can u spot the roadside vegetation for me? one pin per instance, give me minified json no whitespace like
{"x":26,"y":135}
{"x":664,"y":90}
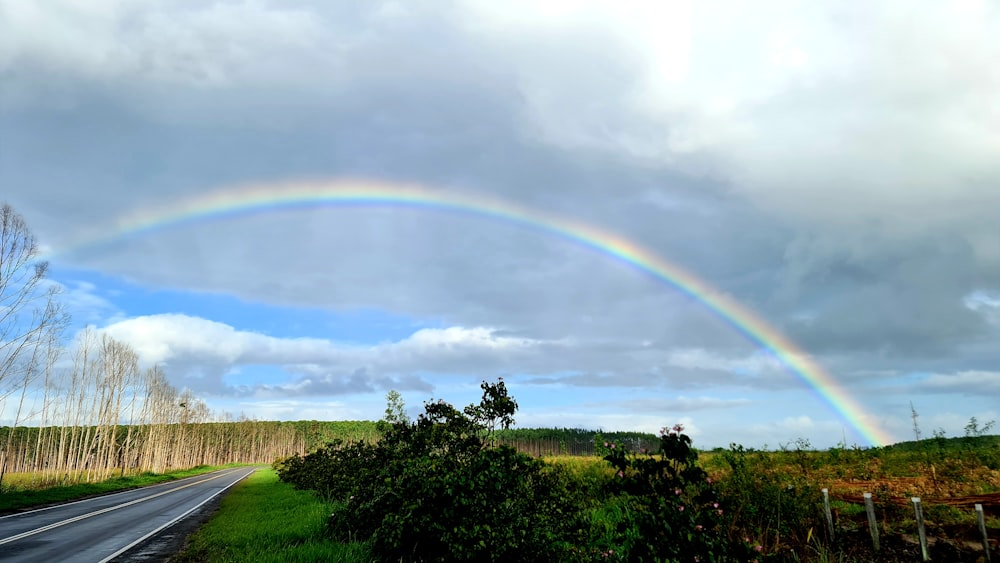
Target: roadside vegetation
{"x":442,"y":488}
{"x":446,"y":487}
{"x":17,"y":497}
{"x":264,"y":520}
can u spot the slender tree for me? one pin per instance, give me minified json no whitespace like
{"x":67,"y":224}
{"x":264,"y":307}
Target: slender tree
{"x":29,"y":312}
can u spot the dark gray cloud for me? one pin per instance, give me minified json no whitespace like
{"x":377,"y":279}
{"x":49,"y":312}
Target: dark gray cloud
{"x":900,"y":298}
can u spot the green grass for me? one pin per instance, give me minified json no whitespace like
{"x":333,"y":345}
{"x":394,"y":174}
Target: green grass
{"x":586,"y":468}
{"x":15,"y":498}
{"x":848,"y":508}
{"x":263,"y":519}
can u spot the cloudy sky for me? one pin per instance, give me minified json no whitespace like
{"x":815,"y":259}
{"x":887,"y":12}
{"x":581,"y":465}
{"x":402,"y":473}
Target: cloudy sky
{"x":831,"y":167}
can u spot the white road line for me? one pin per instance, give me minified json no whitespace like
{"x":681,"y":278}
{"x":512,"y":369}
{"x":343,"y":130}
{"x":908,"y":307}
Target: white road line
{"x":174,"y":521}
{"x":103,"y":497}
{"x":102,"y":511}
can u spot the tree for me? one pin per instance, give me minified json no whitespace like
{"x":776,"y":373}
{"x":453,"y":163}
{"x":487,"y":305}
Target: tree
{"x":30,"y":315}
{"x":395,"y":408}
{"x":434,"y":490}
{"x":916,"y":427}
{"x":27,"y":306}
{"x":496,"y":410}
{"x":974,"y":430}
{"x":395,"y":412}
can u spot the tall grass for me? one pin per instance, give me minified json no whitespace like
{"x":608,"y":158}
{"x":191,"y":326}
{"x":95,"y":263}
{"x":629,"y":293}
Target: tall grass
{"x":265,"y":520}
{"x":19,"y":494}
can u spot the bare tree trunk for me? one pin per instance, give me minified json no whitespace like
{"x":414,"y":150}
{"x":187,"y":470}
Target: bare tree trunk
{"x":28,"y":309}
{"x":31,"y":352}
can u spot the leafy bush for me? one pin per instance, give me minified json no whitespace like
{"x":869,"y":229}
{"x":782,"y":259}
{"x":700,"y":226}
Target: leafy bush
{"x":440,"y":489}
{"x":434,"y":489}
{"x":672,"y":511}
{"x":332,"y":471}
{"x":777,"y":506}
{"x":496,"y":505}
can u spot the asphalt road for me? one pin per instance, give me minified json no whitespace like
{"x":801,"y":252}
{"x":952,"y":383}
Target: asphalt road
{"x":105,"y":527}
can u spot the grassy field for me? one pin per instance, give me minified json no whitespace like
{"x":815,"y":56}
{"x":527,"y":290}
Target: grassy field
{"x":19,"y":493}
{"x":263,"y":519}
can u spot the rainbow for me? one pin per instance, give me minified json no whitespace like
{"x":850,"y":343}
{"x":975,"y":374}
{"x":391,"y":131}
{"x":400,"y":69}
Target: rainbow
{"x":256,"y":199}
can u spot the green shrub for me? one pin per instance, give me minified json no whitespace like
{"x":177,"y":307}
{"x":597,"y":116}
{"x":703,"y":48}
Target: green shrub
{"x":332,"y":471}
{"x":495,"y":505}
{"x":773,"y":506}
{"x":436,"y":489}
{"x":671,"y":509}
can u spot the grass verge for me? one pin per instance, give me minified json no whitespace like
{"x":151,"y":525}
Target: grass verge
{"x":14,"y":498}
{"x":265,"y":520}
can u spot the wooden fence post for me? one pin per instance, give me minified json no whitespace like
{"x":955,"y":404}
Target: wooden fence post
{"x":920,"y":528}
{"x":829,"y":515}
{"x":872,"y":524}
{"x":982,"y":531}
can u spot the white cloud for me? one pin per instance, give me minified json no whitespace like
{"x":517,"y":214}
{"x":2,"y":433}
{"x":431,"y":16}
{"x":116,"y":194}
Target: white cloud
{"x":160,"y":338}
{"x":83,"y":300}
{"x":193,"y":345}
{"x":757,"y":364}
{"x":822,"y":112}
{"x":973,"y":382}
{"x":986,"y":304}
{"x":679,"y":403}
{"x":799,"y":423}
{"x":453,"y":339}
{"x":289,"y":409}
{"x":788,"y":431}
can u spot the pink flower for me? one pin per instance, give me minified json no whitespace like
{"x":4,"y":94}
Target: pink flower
{"x":698,"y":527}
{"x":677,"y":492}
{"x":605,"y":444}
{"x":621,"y":474}
{"x":759,"y":548}
{"x":715,"y":505}
{"x":681,"y":508}
{"x":708,"y":480}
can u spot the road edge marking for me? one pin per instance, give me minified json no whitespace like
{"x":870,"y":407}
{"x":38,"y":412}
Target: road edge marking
{"x":175,"y":520}
{"x":84,"y":516}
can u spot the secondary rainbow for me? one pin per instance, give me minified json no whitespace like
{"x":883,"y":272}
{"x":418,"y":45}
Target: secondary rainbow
{"x":262,"y":198}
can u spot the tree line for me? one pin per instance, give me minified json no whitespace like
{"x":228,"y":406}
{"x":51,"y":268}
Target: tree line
{"x":84,"y":410}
